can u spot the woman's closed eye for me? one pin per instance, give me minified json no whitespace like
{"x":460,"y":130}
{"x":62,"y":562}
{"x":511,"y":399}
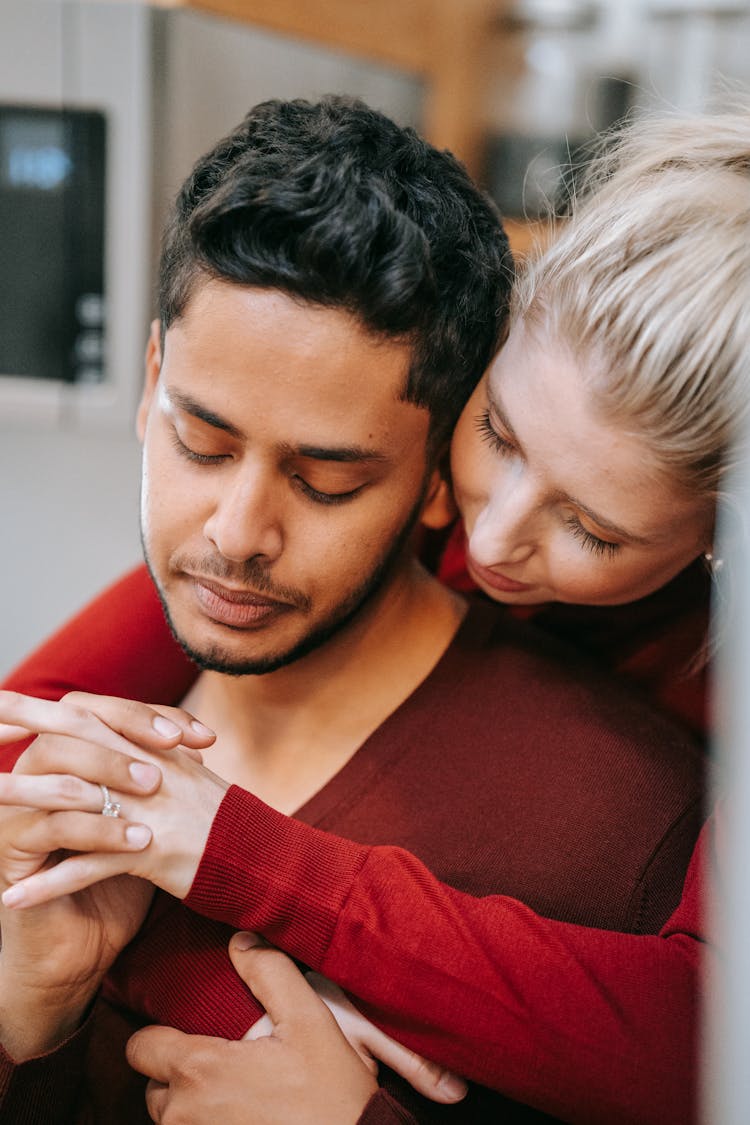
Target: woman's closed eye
{"x":597,"y":546}
{"x":489,"y":434}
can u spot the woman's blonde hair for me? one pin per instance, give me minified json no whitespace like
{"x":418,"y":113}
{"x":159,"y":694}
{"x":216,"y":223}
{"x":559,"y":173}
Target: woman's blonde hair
{"x":648,"y":287}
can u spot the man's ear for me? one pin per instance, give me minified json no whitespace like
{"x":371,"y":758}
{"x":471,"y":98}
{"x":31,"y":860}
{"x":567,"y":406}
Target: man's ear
{"x":153,"y":368}
{"x":439,"y":508}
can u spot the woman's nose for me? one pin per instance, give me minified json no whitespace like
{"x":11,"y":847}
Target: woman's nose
{"x":504,"y":531}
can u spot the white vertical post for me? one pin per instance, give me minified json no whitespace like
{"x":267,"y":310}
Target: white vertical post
{"x":727,"y":1025}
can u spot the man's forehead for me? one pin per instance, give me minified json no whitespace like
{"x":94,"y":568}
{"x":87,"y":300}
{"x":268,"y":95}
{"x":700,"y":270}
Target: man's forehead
{"x":254,"y":357}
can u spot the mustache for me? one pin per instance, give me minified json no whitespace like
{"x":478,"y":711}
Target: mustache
{"x":250,"y":573}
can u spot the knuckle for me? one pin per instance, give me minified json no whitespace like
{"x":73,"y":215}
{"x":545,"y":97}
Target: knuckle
{"x":86,"y":869}
{"x":80,"y":714}
{"x":70,"y":788}
{"x":195,"y":1067}
{"x":133,"y":709}
{"x":73,"y":697}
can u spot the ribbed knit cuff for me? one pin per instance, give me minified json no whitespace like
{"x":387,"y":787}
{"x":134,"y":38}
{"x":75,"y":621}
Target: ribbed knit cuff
{"x":383,"y":1110}
{"x":267,"y":872}
{"x":44,"y":1088}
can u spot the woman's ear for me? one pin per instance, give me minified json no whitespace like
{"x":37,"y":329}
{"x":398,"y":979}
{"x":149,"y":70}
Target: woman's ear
{"x":153,"y":369}
{"x":439,"y":508}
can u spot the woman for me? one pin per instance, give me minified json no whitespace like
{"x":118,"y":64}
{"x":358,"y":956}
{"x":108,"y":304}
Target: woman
{"x":632,"y":333}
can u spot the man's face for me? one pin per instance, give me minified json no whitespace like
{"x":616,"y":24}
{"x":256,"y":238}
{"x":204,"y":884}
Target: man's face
{"x":281,"y":473}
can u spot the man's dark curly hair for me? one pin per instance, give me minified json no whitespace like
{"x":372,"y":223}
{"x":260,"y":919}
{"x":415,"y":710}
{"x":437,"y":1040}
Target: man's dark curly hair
{"x":335,"y":204}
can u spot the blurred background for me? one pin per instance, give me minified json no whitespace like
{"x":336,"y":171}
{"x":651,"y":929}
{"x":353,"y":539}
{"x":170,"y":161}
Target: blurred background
{"x":104,"y":105}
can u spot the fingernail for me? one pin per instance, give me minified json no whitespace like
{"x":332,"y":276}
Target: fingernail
{"x":144,"y":774}
{"x":165,"y":727}
{"x":202,"y":729}
{"x":453,"y":1087}
{"x":245,"y":940}
{"x":138,"y":835}
{"x":13,"y":896}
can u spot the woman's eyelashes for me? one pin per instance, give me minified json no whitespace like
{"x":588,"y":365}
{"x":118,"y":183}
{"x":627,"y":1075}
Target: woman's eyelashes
{"x":601,"y":547}
{"x":490,"y":435}
{"x":593,"y":543}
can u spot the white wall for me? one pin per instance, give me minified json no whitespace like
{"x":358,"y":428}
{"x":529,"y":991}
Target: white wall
{"x":69,"y":504}
{"x":69,"y":463}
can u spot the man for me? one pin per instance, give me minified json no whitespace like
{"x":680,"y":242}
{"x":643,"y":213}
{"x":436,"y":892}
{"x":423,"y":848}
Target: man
{"x":331,"y":289}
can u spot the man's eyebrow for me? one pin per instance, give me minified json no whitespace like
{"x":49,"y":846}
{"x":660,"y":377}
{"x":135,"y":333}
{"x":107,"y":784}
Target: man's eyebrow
{"x":343,"y":453}
{"x":605,"y":524}
{"x":203,"y":414}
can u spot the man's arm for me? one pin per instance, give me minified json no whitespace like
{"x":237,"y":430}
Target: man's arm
{"x":45,"y":1087}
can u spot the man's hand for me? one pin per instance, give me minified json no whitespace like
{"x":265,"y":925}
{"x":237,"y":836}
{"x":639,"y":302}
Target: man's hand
{"x":167,"y":798}
{"x":296,"y":1066}
{"x":304,"y":1073}
{"x":54,"y":956}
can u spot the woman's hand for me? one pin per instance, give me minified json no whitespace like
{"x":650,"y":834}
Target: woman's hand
{"x":373,"y":1046}
{"x":167,"y":799}
{"x":101,"y":719}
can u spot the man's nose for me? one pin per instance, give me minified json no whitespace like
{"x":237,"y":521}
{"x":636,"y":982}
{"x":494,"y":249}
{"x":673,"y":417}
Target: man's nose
{"x":245,"y":522}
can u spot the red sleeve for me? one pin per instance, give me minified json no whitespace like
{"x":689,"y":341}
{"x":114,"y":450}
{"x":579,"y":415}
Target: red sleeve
{"x":540,"y":1010}
{"x":120,"y":644}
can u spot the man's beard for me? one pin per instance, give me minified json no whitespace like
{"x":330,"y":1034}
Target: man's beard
{"x":216,"y":659}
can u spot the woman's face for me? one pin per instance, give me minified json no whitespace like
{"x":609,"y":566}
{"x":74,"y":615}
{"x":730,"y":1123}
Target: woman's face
{"x":558,"y":505}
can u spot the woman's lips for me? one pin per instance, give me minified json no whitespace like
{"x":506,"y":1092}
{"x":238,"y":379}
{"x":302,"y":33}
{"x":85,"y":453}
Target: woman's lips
{"x":240,"y":609}
{"x":484,"y":577}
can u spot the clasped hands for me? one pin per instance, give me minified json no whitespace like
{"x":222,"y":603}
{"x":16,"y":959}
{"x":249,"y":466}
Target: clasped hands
{"x":66,"y":869}
{"x":53,"y":799}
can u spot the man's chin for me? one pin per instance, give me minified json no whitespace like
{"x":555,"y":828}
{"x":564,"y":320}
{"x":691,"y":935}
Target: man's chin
{"x":215,"y":659}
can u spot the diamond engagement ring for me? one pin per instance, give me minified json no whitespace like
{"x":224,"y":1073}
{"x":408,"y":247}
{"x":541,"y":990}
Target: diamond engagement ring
{"x":109,"y":807}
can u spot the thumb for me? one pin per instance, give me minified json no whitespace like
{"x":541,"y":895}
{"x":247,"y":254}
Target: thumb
{"x":275,"y":981}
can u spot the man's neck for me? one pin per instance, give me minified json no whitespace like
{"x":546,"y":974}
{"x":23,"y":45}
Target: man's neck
{"x":285,"y":734}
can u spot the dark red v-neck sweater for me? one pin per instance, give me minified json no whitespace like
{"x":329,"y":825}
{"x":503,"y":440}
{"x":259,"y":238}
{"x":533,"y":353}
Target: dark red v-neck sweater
{"x":507,"y":773}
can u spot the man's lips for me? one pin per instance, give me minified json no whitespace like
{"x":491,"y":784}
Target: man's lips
{"x":240,"y":609}
{"x":495,"y":581}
